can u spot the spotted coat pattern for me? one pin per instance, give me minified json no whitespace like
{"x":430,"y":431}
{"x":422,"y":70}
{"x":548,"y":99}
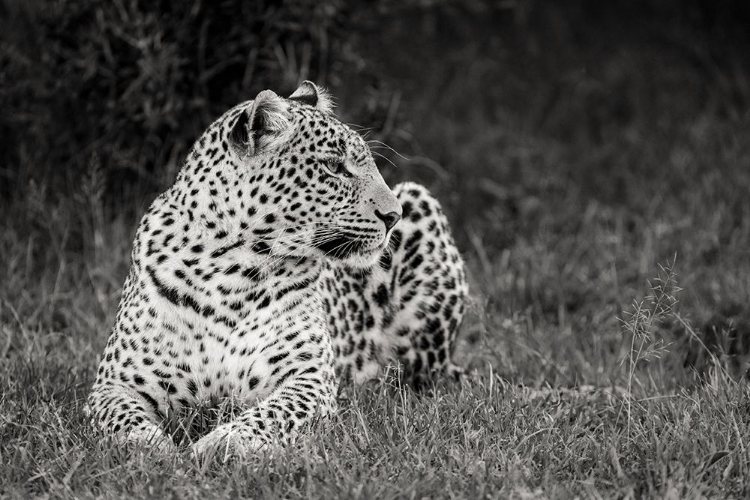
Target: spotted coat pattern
{"x":274,"y":268}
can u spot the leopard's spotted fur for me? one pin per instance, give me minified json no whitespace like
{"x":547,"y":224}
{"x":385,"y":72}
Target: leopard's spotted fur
{"x":260,"y":277}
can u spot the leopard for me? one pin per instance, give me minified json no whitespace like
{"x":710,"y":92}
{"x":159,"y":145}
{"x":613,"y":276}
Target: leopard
{"x":277,"y":267}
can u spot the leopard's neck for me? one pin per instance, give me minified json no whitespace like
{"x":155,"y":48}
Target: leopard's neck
{"x":213,"y":270}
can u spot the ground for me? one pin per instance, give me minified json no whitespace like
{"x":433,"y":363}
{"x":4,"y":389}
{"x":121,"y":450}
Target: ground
{"x":546,"y":312}
{"x":588,"y":178}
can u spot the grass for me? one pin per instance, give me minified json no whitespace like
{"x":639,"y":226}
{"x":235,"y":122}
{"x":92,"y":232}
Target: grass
{"x":605,"y":220}
{"x":482,"y":438}
{"x":550,"y":311}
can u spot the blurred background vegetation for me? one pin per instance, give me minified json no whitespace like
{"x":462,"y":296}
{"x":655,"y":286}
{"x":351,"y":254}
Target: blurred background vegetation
{"x":575,"y":144}
{"x":127,"y":85}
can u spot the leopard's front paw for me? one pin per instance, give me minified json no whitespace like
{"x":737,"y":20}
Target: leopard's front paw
{"x":226,"y":442}
{"x":149,"y":438}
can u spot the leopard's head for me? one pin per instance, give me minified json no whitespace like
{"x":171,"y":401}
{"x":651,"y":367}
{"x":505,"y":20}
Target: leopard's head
{"x":311,"y":186}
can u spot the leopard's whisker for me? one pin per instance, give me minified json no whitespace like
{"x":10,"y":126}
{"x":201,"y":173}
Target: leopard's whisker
{"x":384,"y":145}
{"x":375,"y":153}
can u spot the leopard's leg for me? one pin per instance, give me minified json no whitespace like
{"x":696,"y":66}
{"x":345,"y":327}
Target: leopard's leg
{"x":275,"y":419}
{"x":130,"y":416}
{"x":427,"y":281}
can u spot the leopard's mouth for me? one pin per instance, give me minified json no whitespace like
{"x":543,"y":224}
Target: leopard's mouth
{"x":340,"y":246}
{"x":343,"y":246}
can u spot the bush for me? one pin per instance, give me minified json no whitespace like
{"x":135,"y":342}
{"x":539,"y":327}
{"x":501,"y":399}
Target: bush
{"x":129,"y":84}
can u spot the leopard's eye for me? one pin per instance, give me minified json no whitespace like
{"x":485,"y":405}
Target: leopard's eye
{"x":337,"y":167}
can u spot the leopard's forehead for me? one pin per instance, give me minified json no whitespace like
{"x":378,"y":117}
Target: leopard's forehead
{"x":325,"y":130}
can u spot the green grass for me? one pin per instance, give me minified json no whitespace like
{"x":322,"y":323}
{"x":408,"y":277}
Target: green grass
{"x":583,"y":202}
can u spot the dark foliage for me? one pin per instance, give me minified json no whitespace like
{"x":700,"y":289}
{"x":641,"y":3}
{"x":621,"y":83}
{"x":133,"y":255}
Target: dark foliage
{"x":126,"y":85}
{"x":129,"y":84}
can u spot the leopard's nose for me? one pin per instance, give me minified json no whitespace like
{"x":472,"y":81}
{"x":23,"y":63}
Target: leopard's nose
{"x":390,"y":219}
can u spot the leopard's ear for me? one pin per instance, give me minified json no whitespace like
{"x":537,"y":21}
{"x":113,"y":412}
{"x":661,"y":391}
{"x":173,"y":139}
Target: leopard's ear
{"x":312,"y":95}
{"x":260,"y":125}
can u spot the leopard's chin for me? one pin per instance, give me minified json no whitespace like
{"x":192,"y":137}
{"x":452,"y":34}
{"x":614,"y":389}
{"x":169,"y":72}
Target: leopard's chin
{"x":363,"y":260}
